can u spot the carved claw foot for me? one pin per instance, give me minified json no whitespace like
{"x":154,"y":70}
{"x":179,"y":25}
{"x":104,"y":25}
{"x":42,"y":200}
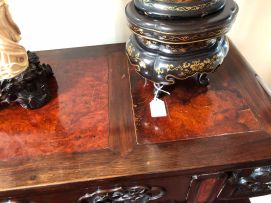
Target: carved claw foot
{"x":202,"y":79}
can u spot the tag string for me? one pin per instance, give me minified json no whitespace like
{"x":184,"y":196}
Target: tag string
{"x":158,"y":88}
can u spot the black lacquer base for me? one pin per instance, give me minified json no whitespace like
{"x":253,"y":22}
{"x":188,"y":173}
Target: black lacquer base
{"x":164,"y":67}
{"x":30,"y":89}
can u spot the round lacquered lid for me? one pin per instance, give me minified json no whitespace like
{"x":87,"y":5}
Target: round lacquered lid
{"x":179,"y":8}
{"x":182,"y":30}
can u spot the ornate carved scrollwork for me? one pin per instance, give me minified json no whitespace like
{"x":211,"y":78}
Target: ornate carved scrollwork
{"x":248,"y":183}
{"x":137,"y":194}
{"x":258,"y":181}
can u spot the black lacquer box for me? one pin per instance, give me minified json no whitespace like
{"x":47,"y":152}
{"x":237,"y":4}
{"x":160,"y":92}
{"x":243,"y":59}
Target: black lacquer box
{"x":174,"y":39}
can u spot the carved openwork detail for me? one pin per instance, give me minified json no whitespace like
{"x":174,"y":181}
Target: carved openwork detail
{"x":137,"y":194}
{"x":257,"y":181}
{"x":248,"y":183}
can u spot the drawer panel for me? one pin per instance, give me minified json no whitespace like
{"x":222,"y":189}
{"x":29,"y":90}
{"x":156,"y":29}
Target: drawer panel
{"x":205,"y":188}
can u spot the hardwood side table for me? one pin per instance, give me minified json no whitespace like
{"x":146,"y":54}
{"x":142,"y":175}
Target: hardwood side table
{"x":95,"y":141}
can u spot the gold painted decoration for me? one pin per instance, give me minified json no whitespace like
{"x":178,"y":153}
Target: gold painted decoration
{"x":13,"y":57}
{"x":135,"y":56}
{"x":188,"y":69}
{"x":159,"y":68}
{"x":175,"y":1}
{"x":182,"y":8}
{"x":175,"y":38}
{"x":177,"y":48}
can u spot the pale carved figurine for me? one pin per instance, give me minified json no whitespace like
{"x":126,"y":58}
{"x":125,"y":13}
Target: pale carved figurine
{"x":13,"y":57}
{"x":22,"y":78}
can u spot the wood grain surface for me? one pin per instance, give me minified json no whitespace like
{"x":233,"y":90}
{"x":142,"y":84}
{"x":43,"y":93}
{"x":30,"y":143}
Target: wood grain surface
{"x":75,"y":120}
{"x":192,"y":111}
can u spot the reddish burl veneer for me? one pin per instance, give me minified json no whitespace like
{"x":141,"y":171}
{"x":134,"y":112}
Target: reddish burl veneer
{"x":75,"y":120}
{"x":193,"y":111}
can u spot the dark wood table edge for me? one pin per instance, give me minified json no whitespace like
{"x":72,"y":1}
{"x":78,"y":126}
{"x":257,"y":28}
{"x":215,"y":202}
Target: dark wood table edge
{"x":124,"y":173}
{"x":258,"y":98}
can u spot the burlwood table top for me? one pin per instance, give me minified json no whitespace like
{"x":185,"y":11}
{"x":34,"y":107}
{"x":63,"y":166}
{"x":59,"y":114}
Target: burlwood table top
{"x":98,"y":125}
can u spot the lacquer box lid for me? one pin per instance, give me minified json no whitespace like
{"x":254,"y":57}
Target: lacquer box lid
{"x":182,"y":30}
{"x":179,"y":8}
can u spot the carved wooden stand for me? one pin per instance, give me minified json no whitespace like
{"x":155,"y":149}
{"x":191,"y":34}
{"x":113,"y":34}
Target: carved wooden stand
{"x":30,"y":88}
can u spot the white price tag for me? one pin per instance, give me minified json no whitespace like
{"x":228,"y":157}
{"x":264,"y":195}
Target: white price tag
{"x":158,"y":108}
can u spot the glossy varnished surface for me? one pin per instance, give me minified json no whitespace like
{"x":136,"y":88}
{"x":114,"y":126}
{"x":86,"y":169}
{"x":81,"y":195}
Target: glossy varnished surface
{"x":75,"y":120}
{"x":114,"y":157}
{"x":193,"y":111}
